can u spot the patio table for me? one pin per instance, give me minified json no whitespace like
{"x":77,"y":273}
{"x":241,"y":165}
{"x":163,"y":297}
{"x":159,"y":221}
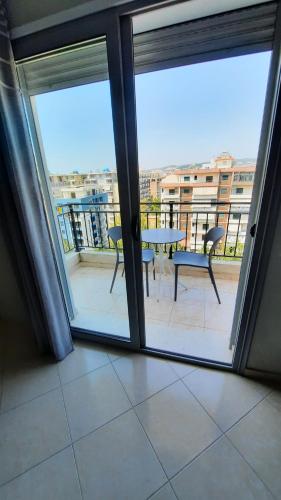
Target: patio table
{"x":162,"y":237}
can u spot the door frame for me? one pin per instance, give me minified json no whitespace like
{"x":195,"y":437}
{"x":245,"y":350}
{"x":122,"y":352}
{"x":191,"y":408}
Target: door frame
{"x":107,"y":27}
{"x":120,"y":59}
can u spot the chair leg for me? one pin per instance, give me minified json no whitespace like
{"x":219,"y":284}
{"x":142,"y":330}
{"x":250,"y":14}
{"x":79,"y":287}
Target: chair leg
{"x":214,"y":283}
{"x":176,"y":282}
{"x":114,"y":275}
{"x":123,"y":271}
{"x":153,"y":269}
{"x":146,"y":279}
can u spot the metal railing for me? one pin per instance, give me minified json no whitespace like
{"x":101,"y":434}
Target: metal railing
{"x":85,"y":225}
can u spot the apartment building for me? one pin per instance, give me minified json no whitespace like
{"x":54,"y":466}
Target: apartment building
{"x":218,"y":182}
{"x":150,"y":184}
{"x":84,"y":223}
{"x":78,"y":185}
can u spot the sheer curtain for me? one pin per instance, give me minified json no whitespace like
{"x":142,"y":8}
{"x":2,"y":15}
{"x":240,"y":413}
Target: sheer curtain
{"x":39,"y":272}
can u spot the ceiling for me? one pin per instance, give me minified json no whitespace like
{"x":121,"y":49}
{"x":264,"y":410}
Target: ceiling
{"x":29,"y":16}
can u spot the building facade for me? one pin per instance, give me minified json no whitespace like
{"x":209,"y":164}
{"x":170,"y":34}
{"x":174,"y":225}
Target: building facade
{"x":218,"y":192}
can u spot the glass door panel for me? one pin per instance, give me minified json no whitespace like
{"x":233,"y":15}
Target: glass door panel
{"x":198,"y":138}
{"x":71,"y":112}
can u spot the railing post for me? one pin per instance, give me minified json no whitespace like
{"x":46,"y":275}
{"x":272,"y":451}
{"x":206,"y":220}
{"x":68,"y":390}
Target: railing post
{"x":76,"y":243}
{"x":171,"y":224}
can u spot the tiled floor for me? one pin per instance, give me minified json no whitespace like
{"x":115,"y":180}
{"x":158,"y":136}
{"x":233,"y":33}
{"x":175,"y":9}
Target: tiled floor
{"x":106,"y":424}
{"x":195,"y":325}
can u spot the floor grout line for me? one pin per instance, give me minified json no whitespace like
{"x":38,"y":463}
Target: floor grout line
{"x":35,"y":465}
{"x":70,"y":435}
{"x":156,"y":491}
{"x":251,"y":467}
{"x":111,"y":362}
{"x":156,"y":454}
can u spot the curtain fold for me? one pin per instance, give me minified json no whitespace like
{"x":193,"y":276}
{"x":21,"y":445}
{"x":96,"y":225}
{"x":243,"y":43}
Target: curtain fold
{"x":52,"y":328}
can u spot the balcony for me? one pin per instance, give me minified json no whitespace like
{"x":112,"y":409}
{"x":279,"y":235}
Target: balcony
{"x":196,"y":324}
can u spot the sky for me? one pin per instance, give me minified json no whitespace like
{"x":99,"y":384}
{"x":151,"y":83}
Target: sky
{"x":184,"y":115}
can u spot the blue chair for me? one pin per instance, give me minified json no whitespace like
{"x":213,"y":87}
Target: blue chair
{"x":115,"y":234}
{"x":203,"y":261}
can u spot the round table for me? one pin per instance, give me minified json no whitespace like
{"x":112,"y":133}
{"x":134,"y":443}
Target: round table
{"x":162,"y":236}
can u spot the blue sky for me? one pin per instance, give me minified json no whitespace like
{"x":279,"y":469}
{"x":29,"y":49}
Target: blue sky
{"x":187,"y":114}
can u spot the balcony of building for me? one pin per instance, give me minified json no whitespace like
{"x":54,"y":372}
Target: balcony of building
{"x":196,"y":324}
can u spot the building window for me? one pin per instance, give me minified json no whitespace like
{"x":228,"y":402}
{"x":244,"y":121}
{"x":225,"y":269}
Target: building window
{"x":209,"y":178}
{"x":195,"y":177}
{"x":72,"y":195}
{"x":238,"y":190}
{"x":247,"y":177}
{"x":193,"y":234}
{"x":172,"y":191}
{"x":205,"y":227}
{"x":235,"y":216}
{"x":224,"y":177}
{"x":223,"y":191}
{"x":186,"y":190}
{"x":186,"y":178}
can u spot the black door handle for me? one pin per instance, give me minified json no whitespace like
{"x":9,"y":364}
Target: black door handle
{"x":253,"y":230}
{"x":136,"y":228}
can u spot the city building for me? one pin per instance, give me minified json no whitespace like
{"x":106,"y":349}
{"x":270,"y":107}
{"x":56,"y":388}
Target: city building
{"x":225,"y":190}
{"x":84,"y":222}
{"x":78,"y":185}
{"x":149,"y":184}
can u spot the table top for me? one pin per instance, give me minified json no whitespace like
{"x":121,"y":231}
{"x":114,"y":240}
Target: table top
{"x":162,"y":236}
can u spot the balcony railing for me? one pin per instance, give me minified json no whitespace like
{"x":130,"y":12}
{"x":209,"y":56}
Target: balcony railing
{"x":85,"y":225}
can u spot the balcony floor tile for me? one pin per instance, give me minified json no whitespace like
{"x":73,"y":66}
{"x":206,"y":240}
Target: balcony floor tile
{"x":194,"y":325}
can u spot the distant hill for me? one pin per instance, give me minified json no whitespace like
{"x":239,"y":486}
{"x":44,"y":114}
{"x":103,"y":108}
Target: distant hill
{"x":238,"y":161}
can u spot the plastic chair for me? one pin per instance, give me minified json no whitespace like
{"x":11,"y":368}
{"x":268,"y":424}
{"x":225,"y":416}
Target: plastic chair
{"x":200,"y":260}
{"x":115,"y":234}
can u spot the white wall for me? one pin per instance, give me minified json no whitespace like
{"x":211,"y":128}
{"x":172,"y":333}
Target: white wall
{"x":265,"y":351}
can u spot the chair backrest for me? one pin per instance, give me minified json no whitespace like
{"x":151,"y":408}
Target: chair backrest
{"x":214,"y":234}
{"x":115,"y":234}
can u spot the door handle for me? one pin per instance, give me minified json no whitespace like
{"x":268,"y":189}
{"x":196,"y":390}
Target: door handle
{"x":135,"y":228}
{"x":253,"y":230}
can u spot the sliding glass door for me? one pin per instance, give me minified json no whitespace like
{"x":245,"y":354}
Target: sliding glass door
{"x":199,"y":107}
{"x":84,"y":177}
{"x":146,"y":135}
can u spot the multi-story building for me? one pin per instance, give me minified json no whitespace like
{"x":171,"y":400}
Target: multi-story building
{"x":149,"y":184}
{"x":77,"y":185}
{"x":84,"y":222}
{"x":221,"y":181}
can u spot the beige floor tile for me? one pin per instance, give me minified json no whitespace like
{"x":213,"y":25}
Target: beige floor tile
{"x":158,"y":309}
{"x":192,"y":341}
{"x":258,"y":438}
{"x":275,"y":399}
{"x":182,"y":368}
{"x":196,"y":307}
{"x":31,"y":433}
{"x":107,"y":323}
{"x":142,"y":376}
{"x":177,"y":426}
{"x":25,"y":380}
{"x":219,"y":316}
{"x":93,"y":400}
{"x":225,"y":396}
{"x":190,"y":313}
{"x":165,"y":493}
{"x":219,"y":473}
{"x":117,"y":462}
{"x":54,"y":479}
{"x":85,"y":358}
